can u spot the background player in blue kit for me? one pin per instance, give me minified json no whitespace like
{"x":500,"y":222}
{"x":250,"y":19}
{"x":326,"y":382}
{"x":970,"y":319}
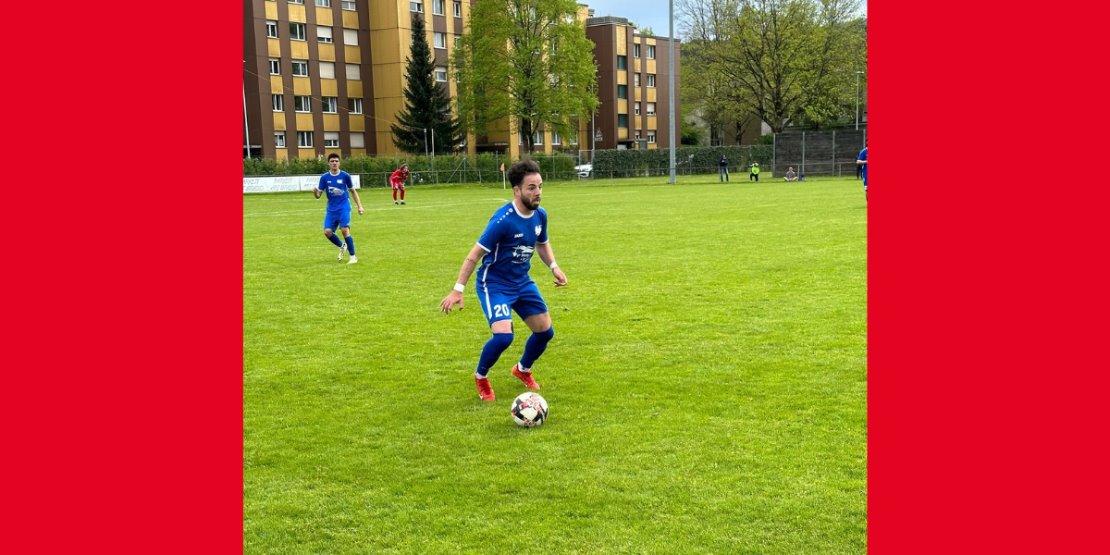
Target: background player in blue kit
{"x":861,"y":161}
{"x":336,"y":183}
{"x":514,"y":233}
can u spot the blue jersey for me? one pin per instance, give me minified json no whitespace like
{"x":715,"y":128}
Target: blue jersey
{"x":863,"y":156}
{"x":510,"y":241}
{"x":335,"y":186}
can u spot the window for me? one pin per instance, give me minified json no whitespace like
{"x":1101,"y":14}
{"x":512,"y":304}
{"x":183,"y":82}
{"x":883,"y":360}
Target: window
{"x":355,"y":105}
{"x":636,"y":80}
{"x":622,"y":62}
{"x":296,"y":31}
{"x":441,"y":74}
{"x":278,"y":102}
{"x":416,"y":7}
{"x":354,"y":72}
{"x":350,"y":37}
{"x":304,"y":138}
{"x":330,"y":103}
{"x":302,"y":103}
{"x":651,"y":136}
{"x":279,"y":139}
{"x":271,"y":29}
{"x":437,"y":7}
{"x":651,"y":108}
{"x":323,"y":34}
{"x":651,"y":79}
{"x":458,"y":9}
{"x":358,"y":140}
{"x":651,"y":52}
{"x":275,"y":66}
{"x":296,"y":1}
{"x":327,"y":70}
{"x":347,"y":5}
{"x":636,"y":108}
{"x":555,"y":138}
{"x":323,"y":3}
{"x":622,"y":91}
{"x":331,"y":139}
{"x":457,"y":39}
{"x":537,"y":138}
{"x":635,"y":51}
{"x":300,"y":68}
{"x":622,"y":121}
{"x":440,"y":39}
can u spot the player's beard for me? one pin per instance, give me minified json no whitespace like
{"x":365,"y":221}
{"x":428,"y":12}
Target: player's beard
{"x":531,"y":205}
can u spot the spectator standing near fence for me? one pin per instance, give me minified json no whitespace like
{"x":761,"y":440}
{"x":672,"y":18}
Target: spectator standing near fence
{"x":754,"y":175}
{"x":723,"y":165}
{"x":861,"y":162}
{"x":397,"y":182}
{"x":336,"y":182}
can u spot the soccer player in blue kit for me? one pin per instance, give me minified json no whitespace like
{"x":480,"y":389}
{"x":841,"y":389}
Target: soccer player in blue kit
{"x":861,"y":161}
{"x":336,"y":182}
{"x":514,"y":233}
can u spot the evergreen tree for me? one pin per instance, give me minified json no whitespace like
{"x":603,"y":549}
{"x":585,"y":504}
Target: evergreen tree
{"x":427,"y":112}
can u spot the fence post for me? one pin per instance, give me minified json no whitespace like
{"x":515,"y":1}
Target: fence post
{"x":835,"y":169}
{"x":803,"y":166}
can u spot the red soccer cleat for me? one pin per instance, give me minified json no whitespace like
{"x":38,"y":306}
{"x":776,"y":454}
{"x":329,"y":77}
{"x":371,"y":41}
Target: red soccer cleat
{"x":525,"y":377}
{"x":484,"y":389}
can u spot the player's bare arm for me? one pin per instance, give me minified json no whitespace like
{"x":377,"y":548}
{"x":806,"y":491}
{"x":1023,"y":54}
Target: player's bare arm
{"x":547,"y":255}
{"x":468,"y":266}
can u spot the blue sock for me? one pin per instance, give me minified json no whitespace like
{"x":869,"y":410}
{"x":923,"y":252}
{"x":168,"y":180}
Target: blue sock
{"x":492,"y":351}
{"x":335,"y":240}
{"x":351,"y":244}
{"x":535,"y":347}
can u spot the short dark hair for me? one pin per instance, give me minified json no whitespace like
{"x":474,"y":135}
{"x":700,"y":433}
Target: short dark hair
{"x":332,"y":155}
{"x":520,"y":169}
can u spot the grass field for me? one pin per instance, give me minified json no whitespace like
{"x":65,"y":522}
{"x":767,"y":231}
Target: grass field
{"x":707,"y":379}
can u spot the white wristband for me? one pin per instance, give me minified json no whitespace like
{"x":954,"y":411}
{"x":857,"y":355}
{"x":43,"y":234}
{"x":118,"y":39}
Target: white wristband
{"x":459,"y":287}
{"x":553,"y":265}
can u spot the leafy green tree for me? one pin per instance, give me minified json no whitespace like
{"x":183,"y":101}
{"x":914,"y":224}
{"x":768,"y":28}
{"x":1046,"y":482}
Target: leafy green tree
{"x":784,"y":61}
{"x":691,"y":133}
{"x":427,"y":114}
{"x":526,"y":60}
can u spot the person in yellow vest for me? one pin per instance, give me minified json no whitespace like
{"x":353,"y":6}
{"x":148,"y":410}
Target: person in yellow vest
{"x":754,"y":176}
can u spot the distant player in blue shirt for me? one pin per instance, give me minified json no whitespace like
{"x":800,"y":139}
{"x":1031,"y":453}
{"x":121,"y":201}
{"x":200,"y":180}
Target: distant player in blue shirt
{"x":861,"y":161}
{"x":336,"y":183}
{"x":514,"y":233}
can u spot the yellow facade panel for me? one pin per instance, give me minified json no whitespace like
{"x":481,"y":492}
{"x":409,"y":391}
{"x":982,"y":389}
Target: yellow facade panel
{"x":649,"y":66}
{"x":297,"y":13}
{"x":273,"y":48}
{"x":636,"y":65}
{"x":302,"y":86}
{"x":331,"y":122}
{"x":622,"y":40}
{"x":354,"y":89}
{"x":298,"y":49}
{"x":304,"y":122}
{"x":329,"y":87}
{"x":350,"y":19}
{"x":387,"y":45}
{"x":353,"y":54}
{"x":389,"y":79}
{"x":386,"y":14}
{"x":358,"y":152}
{"x":327,"y":52}
{"x":276,"y":87}
{"x":282,"y":153}
{"x":324,"y":17}
{"x":652,"y":124}
{"x":271,"y":10}
{"x":651,"y":95}
{"x":622,"y":133}
{"x":279,"y":121}
{"x":622,"y":106}
{"x":622,"y":77}
{"x":357,"y":122}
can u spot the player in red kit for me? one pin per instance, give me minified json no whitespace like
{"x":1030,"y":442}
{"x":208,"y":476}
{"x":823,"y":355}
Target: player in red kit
{"x":397,"y":181}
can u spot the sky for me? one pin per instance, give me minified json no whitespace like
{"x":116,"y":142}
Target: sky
{"x":646,"y":13}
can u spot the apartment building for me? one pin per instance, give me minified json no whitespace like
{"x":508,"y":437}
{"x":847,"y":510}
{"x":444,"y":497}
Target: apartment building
{"x":633,"y":86}
{"x":324,"y":76}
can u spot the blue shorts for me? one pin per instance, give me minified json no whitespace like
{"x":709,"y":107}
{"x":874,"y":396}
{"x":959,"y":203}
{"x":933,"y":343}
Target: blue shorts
{"x":497,"y":300}
{"x":336,"y":220}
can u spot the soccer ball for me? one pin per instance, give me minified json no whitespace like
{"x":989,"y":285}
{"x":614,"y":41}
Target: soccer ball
{"x":529,"y":409}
